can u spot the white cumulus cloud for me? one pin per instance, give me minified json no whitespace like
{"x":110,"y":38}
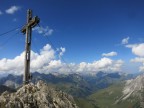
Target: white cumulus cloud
{"x":61,"y":51}
{"x":12,"y":9}
{"x":45,"y":31}
{"x":16,"y":65}
{"x":104,"y":64}
{"x":46,"y":62}
{"x":137,"y":49}
{"x":110,"y":54}
{"x":125,"y":40}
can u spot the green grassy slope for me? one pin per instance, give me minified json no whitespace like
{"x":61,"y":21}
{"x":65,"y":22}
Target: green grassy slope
{"x":106,"y":98}
{"x":85,"y":103}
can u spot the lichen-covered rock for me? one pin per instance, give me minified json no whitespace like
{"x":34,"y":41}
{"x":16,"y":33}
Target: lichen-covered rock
{"x":37,"y":96}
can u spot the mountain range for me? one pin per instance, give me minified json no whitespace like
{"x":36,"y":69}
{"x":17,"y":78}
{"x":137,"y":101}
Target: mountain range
{"x":75,"y":84}
{"x":102,"y":90}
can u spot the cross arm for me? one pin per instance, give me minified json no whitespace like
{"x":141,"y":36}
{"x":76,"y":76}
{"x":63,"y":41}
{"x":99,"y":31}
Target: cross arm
{"x":32,"y":23}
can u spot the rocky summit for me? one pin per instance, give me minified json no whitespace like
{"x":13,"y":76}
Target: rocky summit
{"x":39,"y":95}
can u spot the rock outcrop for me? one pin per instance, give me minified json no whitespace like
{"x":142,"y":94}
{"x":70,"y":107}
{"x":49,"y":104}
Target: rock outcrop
{"x":134,"y":87}
{"x":37,"y":96}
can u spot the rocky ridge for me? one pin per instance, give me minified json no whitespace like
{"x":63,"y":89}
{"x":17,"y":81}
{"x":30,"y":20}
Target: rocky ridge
{"x":37,"y":96}
{"x":133,"y":92}
{"x":133,"y":87}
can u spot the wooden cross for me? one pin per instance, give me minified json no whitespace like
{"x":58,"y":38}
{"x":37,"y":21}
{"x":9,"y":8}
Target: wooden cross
{"x":27,"y":29}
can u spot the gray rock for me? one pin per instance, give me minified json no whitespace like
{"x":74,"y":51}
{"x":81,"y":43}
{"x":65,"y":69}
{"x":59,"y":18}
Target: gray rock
{"x":37,"y":96}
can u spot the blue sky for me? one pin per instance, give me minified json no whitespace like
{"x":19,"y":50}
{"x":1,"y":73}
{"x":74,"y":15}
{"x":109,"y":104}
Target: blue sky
{"x":85,"y":28}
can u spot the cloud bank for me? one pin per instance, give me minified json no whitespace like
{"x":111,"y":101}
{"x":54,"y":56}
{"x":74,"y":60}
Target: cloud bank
{"x":46,"y":62}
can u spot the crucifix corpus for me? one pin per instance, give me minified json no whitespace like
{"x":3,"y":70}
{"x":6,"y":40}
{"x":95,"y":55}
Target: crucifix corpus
{"x":27,"y":29}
